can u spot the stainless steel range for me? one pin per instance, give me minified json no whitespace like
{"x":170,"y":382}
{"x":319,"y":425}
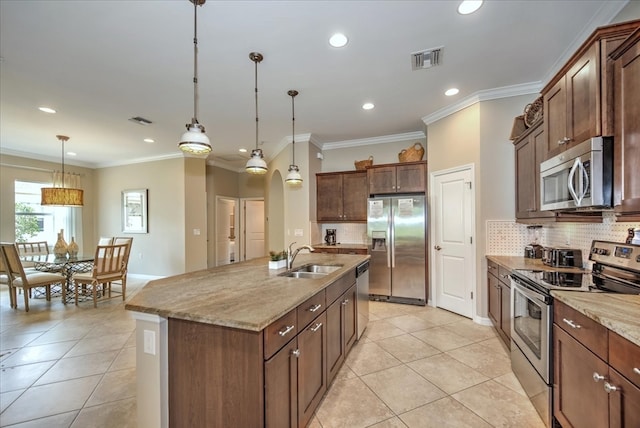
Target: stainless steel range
{"x":616,"y":269}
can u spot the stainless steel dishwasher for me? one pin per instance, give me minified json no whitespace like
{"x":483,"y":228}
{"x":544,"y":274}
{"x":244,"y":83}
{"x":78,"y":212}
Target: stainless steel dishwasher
{"x":362,"y":285}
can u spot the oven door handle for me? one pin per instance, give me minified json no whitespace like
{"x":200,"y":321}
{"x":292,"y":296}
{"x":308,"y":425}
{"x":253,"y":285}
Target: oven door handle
{"x":529,"y":293}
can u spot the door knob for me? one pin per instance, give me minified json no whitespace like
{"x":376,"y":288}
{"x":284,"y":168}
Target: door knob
{"x":438,"y":247}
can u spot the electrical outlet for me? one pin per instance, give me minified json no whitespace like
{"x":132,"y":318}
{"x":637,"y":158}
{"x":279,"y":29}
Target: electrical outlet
{"x":150,"y":342}
{"x":297,"y":232}
{"x":196,"y":232}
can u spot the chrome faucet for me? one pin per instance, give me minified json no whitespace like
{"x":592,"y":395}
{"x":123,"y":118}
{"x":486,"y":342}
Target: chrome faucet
{"x":291,"y":256}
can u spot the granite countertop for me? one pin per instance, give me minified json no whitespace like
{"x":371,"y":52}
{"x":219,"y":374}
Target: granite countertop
{"x":618,"y":312}
{"x":344,"y":246}
{"x":519,"y":262}
{"x":245,"y":295}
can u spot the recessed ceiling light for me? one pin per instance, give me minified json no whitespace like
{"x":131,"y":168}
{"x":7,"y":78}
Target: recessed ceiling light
{"x":243,"y":150}
{"x":367,"y":106}
{"x":72,"y":154}
{"x":46,"y":109}
{"x":149,"y":140}
{"x":338,"y":40}
{"x":451,"y":92}
{"x":469,"y":6}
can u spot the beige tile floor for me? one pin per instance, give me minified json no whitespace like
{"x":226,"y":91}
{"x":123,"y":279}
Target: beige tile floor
{"x":67,"y":366}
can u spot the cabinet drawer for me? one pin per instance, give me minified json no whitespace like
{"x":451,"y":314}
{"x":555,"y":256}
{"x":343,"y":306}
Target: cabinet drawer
{"x":326,"y":250}
{"x":585,"y":330}
{"x":278,"y":333}
{"x":310,"y":309}
{"x":493,"y":268}
{"x":341,"y":285}
{"x":624,"y":356}
{"x":353,"y":251}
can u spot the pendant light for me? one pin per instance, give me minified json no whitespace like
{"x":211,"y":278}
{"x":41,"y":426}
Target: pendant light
{"x":256,"y":164}
{"x":195,"y":141}
{"x":294,"y":177}
{"x":61,"y":196}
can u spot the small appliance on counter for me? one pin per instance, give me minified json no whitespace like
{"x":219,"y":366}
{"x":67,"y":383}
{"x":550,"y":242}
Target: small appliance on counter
{"x":330,"y":237}
{"x":562,"y":257}
{"x":534,"y":249}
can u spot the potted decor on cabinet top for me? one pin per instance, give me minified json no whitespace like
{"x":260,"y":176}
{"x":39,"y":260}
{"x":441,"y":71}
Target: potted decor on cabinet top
{"x":278,"y":259}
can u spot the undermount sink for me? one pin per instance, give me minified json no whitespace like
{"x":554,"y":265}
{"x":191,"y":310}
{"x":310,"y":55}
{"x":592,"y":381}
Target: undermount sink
{"x":311,"y":271}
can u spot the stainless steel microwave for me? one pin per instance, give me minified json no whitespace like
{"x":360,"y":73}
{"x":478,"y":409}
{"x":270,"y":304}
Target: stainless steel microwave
{"x":579,"y":178}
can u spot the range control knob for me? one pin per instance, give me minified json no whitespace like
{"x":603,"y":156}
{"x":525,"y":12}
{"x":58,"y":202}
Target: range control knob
{"x":603,"y":251}
{"x":638,"y":258}
{"x":594,"y":250}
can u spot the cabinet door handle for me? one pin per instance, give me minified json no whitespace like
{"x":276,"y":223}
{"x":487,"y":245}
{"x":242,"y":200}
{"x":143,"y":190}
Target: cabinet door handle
{"x":437,"y":248}
{"x":345,"y":301}
{"x":286,"y":330}
{"x":597,"y":377}
{"x":316,"y":327}
{"x":295,"y":353}
{"x":315,"y":308}
{"x":608,"y":388}
{"x":636,"y":370}
{"x":565,"y":140}
{"x":571,"y":323}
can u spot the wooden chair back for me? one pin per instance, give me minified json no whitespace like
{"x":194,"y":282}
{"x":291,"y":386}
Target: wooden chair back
{"x":117,"y":240}
{"x":33,"y":248}
{"x":108,"y":261}
{"x":105,"y":241}
{"x":13,"y":265}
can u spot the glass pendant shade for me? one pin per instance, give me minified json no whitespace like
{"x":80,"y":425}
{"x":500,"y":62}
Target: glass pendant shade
{"x":195,"y":141}
{"x":62,"y":196}
{"x":256,"y":164}
{"x":294,"y":176}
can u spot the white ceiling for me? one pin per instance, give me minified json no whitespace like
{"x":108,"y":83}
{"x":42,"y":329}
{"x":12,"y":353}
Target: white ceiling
{"x":100,"y":62}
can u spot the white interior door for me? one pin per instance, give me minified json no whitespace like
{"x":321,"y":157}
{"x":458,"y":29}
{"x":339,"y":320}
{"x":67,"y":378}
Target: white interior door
{"x":226,"y":226}
{"x":452,"y":197}
{"x":253,"y":221}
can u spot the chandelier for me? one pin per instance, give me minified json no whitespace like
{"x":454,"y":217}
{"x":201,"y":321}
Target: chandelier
{"x":62,"y":196}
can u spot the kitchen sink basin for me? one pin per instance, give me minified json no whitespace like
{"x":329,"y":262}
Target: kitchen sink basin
{"x":311,"y":271}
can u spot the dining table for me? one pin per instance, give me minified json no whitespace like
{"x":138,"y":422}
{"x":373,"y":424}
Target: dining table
{"x":67,"y":265}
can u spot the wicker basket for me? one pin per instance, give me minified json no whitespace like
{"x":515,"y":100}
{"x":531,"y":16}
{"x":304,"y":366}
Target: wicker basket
{"x":518,"y":127}
{"x":412,"y":154}
{"x":363,"y":164}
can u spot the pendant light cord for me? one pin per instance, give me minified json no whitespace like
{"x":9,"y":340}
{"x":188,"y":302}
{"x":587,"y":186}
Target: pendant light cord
{"x":195,"y":61}
{"x":62,"y":163}
{"x":256,"y":91}
{"x":293,"y":128}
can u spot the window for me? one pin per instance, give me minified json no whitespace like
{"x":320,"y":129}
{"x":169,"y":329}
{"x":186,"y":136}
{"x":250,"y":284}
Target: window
{"x":37,"y":223}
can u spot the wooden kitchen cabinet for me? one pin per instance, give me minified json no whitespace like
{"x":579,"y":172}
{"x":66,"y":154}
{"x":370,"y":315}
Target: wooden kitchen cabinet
{"x":342,"y":196}
{"x":341,"y":330}
{"x":499,"y":300}
{"x":281,"y":387}
{"x":594,"y":382}
{"x":626,"y":152}
{"x":408,"y":177}
{"x":312,"y":368}
{"x":577,"y":102}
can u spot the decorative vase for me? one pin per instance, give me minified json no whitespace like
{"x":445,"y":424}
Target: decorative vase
{"x":277,"y":264}
{"x":72,"y":248}
{"x":60,"y":249}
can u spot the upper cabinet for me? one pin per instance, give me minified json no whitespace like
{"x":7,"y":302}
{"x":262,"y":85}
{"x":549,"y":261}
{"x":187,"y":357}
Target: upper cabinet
{"x":342,"y":196}
{"x":578,"y":101}
{"x":626,"y":77}
{"x":409,"y":177}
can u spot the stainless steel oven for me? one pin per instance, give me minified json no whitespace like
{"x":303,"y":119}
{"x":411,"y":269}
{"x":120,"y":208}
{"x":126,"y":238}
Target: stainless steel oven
{"x":531,"y":324}
{"x":579,"y":178}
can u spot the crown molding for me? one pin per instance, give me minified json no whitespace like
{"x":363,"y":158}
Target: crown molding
{"x":56,"y":160}
{"x":485,"y":95}
{"x":374,"y":140}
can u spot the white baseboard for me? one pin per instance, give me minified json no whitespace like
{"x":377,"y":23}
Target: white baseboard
{"x":482,"y":320}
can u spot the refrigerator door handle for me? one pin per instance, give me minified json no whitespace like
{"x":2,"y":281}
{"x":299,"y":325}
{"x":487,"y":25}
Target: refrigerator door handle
{"x":392,"y":234}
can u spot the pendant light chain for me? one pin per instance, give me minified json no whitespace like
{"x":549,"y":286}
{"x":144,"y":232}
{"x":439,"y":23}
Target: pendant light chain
{"x":195,"y":61}
{"x":256,"y":91}
{"x":293,"y":125}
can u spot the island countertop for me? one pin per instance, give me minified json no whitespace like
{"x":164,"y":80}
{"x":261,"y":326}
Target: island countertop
{"x":245,"y":295}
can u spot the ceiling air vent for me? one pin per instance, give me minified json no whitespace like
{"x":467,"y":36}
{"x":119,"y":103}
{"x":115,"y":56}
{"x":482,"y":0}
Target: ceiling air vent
{"x":140,"y":120}
{"x":426,"y":59}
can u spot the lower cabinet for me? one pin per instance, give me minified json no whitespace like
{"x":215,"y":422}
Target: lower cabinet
{"x":341,"y":331}
{"x":590,"y":389}
{"x":499,"y":300}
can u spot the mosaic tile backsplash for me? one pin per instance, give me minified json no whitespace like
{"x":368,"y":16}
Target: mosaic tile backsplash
{"x":508,"y":238}
{"x":346,"y":233}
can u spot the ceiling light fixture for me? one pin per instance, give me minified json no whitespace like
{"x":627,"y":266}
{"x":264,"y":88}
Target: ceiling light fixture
{"x":256,"y":164}
{"x":294,"y":177}
{"x":149,"y":140}
{"x":195,"y":141}
{"x":61,"y":196}
{"x":469,"y":6}
{"x":368,"y":106}
{"x":451,"y":92}
{"x":46,"y":109}
{"x":338,"y":40}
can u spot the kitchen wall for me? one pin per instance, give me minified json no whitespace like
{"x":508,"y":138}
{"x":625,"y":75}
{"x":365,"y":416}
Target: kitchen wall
{"x":14,"y":168}
{"x":508,"y":238}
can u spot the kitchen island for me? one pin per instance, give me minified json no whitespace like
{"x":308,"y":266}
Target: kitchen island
{"x":239,"y":345}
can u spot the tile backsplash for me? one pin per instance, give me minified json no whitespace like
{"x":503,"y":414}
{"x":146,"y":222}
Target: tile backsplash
{"x":346,"y":233}
{"x":508,"y":238}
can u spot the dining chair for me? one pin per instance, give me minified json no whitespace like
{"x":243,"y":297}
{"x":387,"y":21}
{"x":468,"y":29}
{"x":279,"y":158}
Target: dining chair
{"x":105,"y":241}
{"x":19,"y":279}
{"x":5,"y":278}
{"x":125,"y":262}
{"x":107,"y":268}
{"x":35,"y":248}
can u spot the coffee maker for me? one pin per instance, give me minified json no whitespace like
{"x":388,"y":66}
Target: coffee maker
{"x":330,"y":237}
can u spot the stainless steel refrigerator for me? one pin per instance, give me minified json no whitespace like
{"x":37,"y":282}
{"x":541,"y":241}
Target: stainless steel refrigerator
{"x":397,"y":233}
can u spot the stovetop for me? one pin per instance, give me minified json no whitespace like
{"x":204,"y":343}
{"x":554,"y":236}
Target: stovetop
{"x":556,"y":280}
